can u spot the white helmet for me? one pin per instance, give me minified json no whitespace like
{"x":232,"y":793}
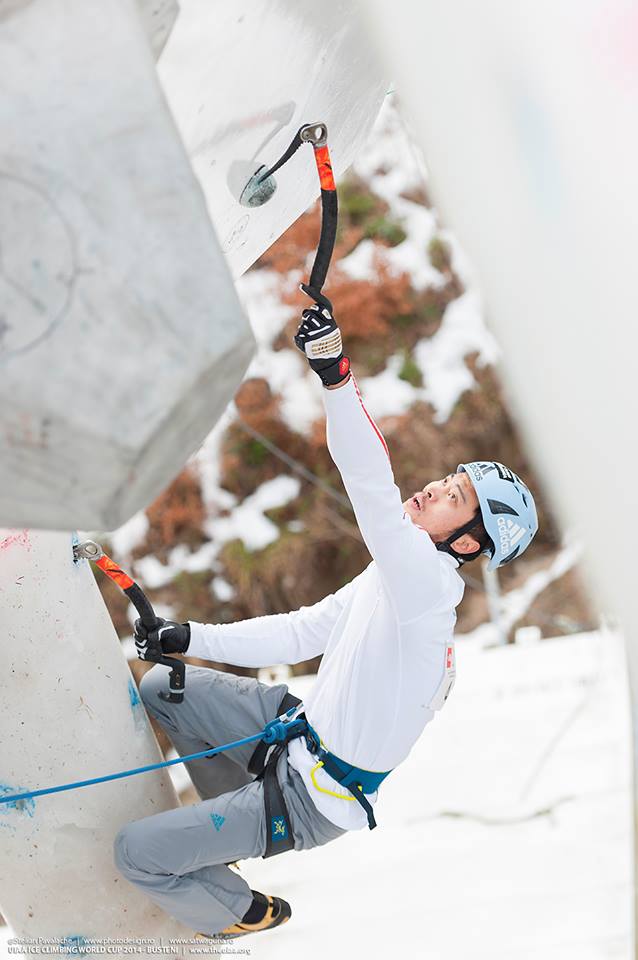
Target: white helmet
{"x":507,"y":509}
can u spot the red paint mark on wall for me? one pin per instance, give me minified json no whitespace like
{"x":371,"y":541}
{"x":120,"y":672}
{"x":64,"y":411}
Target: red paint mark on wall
{"x":21,"y":539}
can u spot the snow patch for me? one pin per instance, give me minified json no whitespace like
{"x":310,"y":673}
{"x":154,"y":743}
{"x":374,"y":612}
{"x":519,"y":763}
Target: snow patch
{"x":259,"y":292}
{"x":152,"y":573}
{"x":301,"y":404}
{"x":247,"y":521}
{"x":441,"y":358}
{"x":130,"y":535}
{"x":207,"y":464}
{"x":386,"y":395}
{"x":392,"y":166}
{"x":359,"y":265}
{"x":222,"y":589}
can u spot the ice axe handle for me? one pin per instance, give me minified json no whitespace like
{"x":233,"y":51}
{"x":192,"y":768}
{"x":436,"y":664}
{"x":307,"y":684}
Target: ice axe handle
{"x":89,"y":550}
{"x":143,"y":606}
{"x":177,"y":676}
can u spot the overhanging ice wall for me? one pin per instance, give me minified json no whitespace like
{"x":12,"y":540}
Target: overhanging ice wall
{"x":241,"y":77}
{"x":121,"y":336}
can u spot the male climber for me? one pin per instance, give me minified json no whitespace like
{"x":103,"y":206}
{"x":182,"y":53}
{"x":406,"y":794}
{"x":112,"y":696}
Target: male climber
{"x":388,"y":665}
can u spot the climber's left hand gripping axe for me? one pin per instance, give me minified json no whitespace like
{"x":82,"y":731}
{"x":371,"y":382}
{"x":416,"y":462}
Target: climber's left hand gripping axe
{"x":89,"y":550}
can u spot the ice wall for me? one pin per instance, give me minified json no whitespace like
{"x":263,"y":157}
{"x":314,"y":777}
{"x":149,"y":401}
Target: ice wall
{"x":71,"y":711}
{"x":242,"y":77}
{"x":121,"y":336}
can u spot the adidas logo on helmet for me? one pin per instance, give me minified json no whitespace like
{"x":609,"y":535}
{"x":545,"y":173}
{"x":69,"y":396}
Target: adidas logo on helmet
{"x":509,"y":534}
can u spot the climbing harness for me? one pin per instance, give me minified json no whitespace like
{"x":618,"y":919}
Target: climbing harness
{"x":279,"y":837}
{"x":261,"y":187}
{"x":89,"y":550}
{"x":290,"y":725}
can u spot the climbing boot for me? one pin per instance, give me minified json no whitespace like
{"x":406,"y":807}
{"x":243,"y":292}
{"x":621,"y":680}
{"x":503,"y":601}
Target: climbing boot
{"x":264,"y":914}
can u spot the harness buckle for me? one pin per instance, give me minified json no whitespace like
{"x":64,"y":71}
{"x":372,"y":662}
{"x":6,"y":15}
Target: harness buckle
{"x":279,"y":731}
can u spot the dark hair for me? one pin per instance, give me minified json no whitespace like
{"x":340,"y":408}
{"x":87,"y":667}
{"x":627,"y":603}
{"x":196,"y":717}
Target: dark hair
{"x":479,"y":533}
{"x":475,"y":529}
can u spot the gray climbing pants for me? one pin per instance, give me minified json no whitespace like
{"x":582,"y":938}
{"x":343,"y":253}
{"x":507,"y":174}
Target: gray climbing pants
{"x":179,"y":858}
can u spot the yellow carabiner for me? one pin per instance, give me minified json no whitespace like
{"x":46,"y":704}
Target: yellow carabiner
{"x":330,"y":793}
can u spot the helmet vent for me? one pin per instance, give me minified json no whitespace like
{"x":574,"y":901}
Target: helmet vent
{"x":497,"y":506}
{"x":510,"y":557}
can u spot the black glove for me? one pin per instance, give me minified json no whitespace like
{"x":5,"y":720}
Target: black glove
{"x":166,"y":637}
{"x":319,"y":339}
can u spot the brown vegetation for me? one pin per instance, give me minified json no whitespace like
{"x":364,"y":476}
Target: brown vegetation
{"x":176,"y":516}
{"x":378,"y":318}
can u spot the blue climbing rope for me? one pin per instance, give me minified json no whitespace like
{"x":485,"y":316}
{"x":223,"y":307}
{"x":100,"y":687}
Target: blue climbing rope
{"x":274,"y":731}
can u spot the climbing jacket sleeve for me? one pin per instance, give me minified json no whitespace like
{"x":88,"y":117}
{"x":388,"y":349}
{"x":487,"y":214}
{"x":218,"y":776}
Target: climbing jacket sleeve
{"x":407,"y":560}
{"x":279,"y":638}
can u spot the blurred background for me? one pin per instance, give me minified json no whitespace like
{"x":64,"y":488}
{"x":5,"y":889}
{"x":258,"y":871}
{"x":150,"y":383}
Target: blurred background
{"x":258,"y":521}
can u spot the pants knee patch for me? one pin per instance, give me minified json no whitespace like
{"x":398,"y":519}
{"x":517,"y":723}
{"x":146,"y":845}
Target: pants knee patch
{"x":151,"y":683}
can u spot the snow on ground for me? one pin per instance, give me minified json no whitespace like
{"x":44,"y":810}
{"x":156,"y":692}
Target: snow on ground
{"x":130,"y":535}
{"x":386,"y":394}
{"x":246,"y":522}
{"x":506,"y":834}
{"x":392,"y":166}
{"x":440,"y":359}
{"x":514,"y":604}
{"x":285,"y":370}
{"x":207,"y":464}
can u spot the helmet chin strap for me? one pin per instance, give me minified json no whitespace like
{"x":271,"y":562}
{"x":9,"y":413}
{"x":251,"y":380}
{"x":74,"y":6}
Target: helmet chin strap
{"x":446,"y":545}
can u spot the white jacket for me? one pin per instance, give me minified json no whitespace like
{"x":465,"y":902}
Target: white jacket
{"x":386,"y":637}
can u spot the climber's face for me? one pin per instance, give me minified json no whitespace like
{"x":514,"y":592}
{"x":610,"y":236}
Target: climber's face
{"x":443,"y":506}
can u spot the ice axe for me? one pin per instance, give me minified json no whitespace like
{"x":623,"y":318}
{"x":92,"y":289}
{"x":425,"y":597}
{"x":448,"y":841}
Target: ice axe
{"x":262,"y":186}
{"x":89,"y":550}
